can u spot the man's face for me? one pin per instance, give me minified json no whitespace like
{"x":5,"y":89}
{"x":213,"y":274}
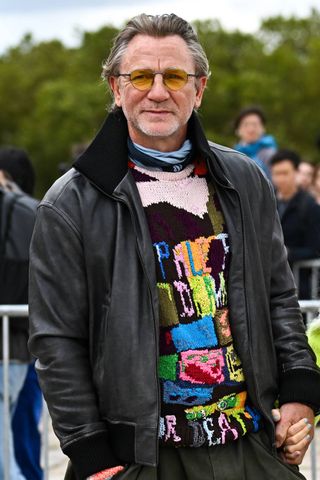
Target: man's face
{"x":316,"y":183}
{"x":250,"y":129}
{"x":2,"y":179}
{"x":157,"y":118}
{"x":305,"y":175}
{"x":284,"y":177}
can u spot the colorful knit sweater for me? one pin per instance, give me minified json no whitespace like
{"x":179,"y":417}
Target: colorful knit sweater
{"x":203,"y":392}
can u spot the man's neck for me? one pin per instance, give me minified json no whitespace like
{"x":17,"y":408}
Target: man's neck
{"x":288,"y":195}
{"x":162,"y":144}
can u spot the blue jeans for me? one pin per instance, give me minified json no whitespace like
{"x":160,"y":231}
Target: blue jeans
{"x":26,"y":435}
{"x":17,"y":375}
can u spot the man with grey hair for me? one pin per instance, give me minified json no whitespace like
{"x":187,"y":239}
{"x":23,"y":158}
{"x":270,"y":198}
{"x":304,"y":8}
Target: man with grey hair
{"x":163,"y":312}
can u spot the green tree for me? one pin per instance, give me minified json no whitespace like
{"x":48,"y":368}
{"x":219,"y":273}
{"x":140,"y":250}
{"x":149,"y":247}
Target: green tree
{"x":52,"y":96}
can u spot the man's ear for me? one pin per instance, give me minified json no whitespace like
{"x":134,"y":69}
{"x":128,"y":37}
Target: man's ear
{"x":200,"y":86}
{"x":114,"y":85}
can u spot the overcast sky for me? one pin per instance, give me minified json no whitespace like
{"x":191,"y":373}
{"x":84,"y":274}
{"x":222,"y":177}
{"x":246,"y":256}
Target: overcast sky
{"x":47,"y":19}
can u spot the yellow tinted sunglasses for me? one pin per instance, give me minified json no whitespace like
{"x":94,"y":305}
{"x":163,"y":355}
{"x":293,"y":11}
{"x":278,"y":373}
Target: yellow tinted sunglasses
{"x":173,"y":78}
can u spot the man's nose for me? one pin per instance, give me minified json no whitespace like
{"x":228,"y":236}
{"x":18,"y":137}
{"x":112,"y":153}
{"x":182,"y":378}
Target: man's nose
{"x":158,"y":91}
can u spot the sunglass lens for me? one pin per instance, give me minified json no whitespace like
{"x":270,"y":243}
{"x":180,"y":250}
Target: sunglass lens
{"x":175,"y":78}
{"x":142,"y":79}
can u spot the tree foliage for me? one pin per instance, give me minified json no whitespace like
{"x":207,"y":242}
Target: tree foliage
{"x":52,"y":96}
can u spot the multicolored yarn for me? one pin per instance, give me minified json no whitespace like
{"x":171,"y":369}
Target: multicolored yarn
{"x":203,"y":390}
{"x":106,"y":474}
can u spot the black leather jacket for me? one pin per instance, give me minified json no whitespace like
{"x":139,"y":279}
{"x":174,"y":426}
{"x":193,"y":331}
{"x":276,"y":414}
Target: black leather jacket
{"x":94,"y":304}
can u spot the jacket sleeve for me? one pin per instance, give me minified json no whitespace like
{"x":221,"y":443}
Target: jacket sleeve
{"x":59,"y":341}
{"x":299,"y":375}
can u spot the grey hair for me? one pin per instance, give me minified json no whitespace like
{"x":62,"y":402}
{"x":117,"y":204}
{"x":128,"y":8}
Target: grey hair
{"x":155,"y":26}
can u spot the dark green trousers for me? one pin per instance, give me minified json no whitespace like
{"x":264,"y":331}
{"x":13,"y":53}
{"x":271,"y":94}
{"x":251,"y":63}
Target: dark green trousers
{"x":249,"y":458}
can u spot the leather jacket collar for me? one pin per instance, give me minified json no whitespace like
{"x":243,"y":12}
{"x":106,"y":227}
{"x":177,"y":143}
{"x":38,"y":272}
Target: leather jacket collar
{"x":105,"y":162}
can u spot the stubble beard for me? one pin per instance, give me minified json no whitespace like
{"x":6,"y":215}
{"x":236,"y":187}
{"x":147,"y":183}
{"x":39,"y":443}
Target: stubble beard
{"x":150,"y":129}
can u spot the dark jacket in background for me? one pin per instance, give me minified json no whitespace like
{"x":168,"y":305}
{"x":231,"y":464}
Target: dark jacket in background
{"x":17,"y":216}
{"x":300,"y":223}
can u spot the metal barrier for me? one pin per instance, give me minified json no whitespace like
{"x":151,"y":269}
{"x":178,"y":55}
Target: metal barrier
{"x":310,"y":307}
{"x":314,"y":267}
{"x":6,"y":311}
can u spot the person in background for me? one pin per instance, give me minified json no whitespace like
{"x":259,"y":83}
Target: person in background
{"x":315,"y":187}
{"x":298,"y":211}
{"x":17,"y":215}
{"x":7,"y":183}
{"x":17,"y":175}
{"x":250,"y":127}
{"x":305,"y":175}
{"x":18,"y":168}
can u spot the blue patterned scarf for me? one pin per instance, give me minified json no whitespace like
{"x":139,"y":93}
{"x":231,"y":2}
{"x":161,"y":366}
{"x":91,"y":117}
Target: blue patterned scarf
{"x":156,"y":160}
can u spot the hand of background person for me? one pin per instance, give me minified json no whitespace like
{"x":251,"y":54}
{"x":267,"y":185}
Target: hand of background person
{"x":294,"y":431}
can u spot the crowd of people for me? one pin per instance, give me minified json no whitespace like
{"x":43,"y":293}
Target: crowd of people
{"x":296,"y":184}
{"x":61,"y":289}
{"x":250,"y":128}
